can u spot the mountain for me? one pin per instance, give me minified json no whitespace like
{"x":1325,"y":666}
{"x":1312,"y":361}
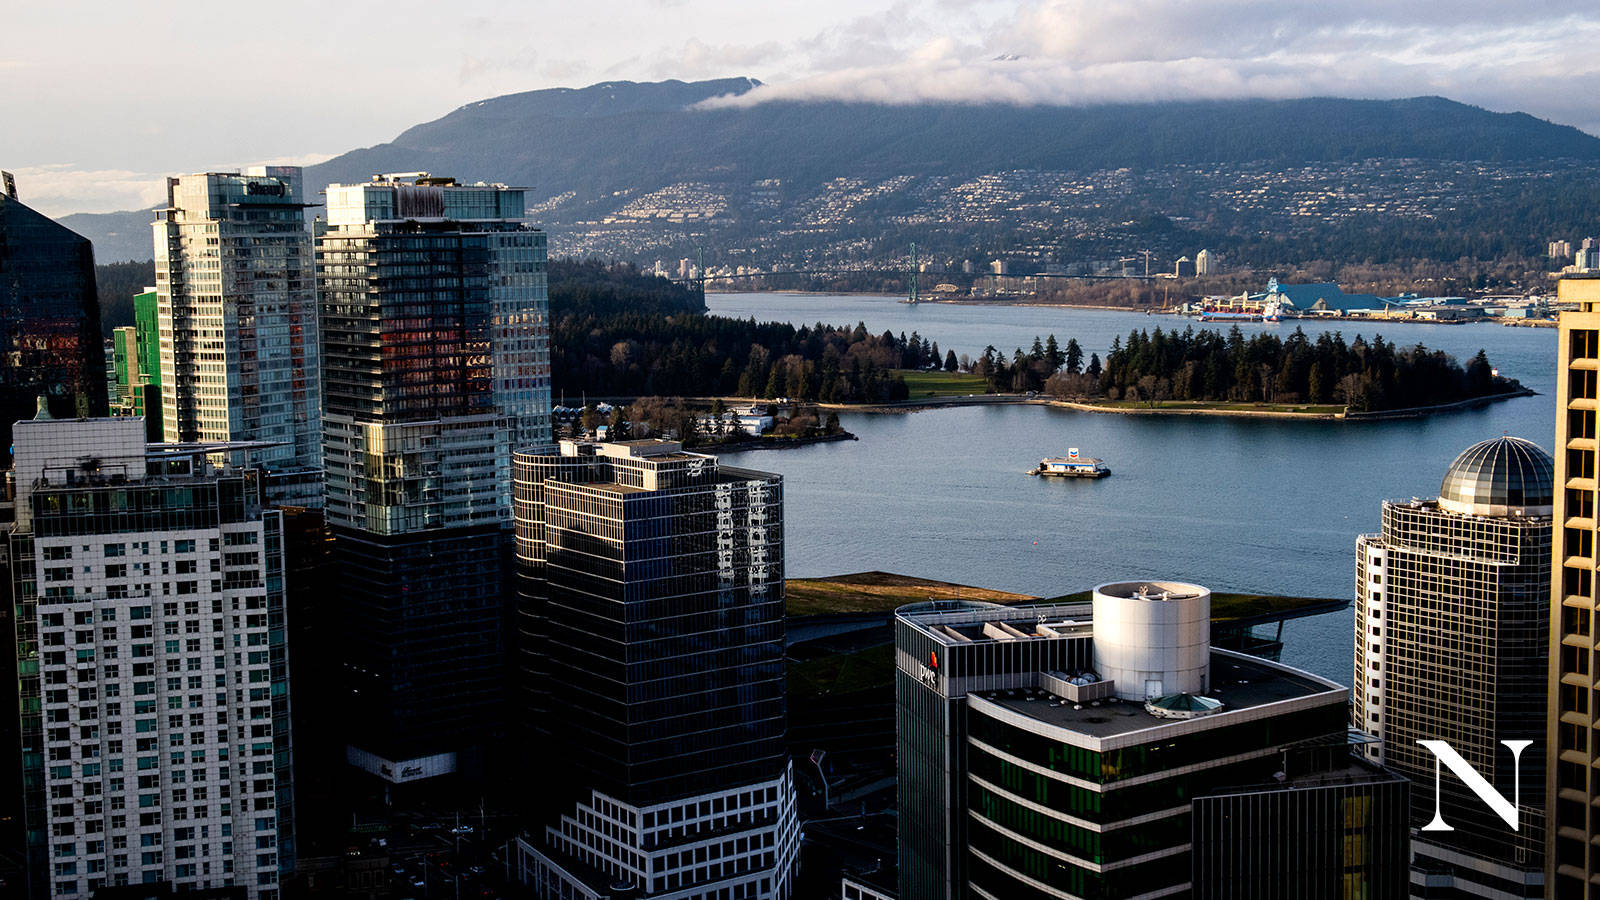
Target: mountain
{"x":651,"y":157}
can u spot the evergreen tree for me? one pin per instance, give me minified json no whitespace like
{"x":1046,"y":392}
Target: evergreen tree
{"x":1073,"y":358}
{"x":1093,"y":371}
{"x":1053,"y":354}
{"x":950,"y":364}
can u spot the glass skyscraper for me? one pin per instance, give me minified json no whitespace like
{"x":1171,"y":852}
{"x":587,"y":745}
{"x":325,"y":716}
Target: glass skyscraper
{"x":237,"y":316}
{"x":49,"y":320}
{"x":653,"y":639}
{"x":434,"y":323}
{"x":1451,"y":624}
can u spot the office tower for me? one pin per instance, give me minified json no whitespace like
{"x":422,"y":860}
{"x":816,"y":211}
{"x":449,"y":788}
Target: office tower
{"x":49,"y":320}
{"x":436,"y":365}
{"x":1571,"y":859}
{"x":150,"y":642}
{"x":1451,"y":625}
{"x":1559,"y":249}
{"x":1184,"y":267}
{"x":1206,"y":263}
{"x":656,"y":583}
{"x":237,"y":317}
{"x":1087,"y":750}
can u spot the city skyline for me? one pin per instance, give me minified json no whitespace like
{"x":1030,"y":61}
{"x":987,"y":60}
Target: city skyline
{"x":1046,"y":51}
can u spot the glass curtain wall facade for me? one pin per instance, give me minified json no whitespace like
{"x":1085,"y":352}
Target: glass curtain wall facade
{"x":659,"y":576}
{"x":49,"y":321}
{"x":1451,"y":624}
{"x":154,"y":673}
{"x":434,"y":322}
{"x":1335,"y":827}
{"x":1571,"y":858}
{"x":237,"y":317}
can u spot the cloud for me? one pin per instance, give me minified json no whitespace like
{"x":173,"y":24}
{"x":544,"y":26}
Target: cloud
{"x":59,"y":189}
{"x":1531,"y":57}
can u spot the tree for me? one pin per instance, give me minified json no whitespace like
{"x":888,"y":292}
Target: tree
{"x":950,"y":363}
{"x":717,"y":410}
{"x":832,"y":426}
{"x":1093,"y":370}
{"x":591,"y":419}
{"x":617,"y":426}
{"x":1073,"y":358}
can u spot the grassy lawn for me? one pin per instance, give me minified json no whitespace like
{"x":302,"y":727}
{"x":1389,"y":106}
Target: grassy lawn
{"x":942,"y":384}
{"x":843,"y":673}
{"x":878,"y":592}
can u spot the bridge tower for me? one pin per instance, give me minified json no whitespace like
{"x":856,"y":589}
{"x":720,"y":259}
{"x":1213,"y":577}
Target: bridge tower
{"x":911,"y":275}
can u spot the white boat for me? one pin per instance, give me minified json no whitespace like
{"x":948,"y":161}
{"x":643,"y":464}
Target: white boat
{"x":1071,"y":466}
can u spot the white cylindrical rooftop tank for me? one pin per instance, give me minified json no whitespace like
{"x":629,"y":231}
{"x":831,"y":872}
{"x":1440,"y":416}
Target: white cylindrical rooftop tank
{"x":1153,"y":638}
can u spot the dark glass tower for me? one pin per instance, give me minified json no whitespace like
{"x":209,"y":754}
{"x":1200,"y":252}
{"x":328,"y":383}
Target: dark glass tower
{"x":1452,"y":621}
{"x":652,"y":637}
{"x":49,"y":320}
{"x":436,"y":364}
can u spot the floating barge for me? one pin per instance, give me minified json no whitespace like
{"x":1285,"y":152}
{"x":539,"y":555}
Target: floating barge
{"x":1071,"y":467}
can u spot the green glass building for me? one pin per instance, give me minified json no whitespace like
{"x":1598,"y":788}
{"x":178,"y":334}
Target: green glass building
{"x":1026,"y":772}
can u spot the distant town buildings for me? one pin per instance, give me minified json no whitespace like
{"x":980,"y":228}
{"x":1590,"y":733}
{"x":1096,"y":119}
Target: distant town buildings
{"x":1560,"y":249}
{"x":237,"y":314}
{"x":1207,"y":263}
{"x":153,"y":667}
{"x":1082,"y":750}
{"x":1587,"y":257}
{"x":1477,"y":558}
{"x":436,"y":339}
{"x":651,"y":636}
{"x":1183,"y":268}
{"x":49,"y":319}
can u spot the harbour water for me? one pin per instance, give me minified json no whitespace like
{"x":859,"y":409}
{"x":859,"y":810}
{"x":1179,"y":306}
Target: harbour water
{"x":1261,"y":506}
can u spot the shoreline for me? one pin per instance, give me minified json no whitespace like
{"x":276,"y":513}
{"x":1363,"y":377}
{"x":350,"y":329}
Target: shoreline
{"x":1417,"y":412}
{"x":774,"y":443}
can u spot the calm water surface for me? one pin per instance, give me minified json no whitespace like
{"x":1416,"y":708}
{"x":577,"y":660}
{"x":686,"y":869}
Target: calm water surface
{"x":1236,"y":505}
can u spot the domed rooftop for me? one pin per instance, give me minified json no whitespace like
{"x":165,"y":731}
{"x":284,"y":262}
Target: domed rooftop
{"x":1506,"y":476}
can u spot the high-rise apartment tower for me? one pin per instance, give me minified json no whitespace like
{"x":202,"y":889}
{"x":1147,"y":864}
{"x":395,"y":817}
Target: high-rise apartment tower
{"x":436,"y":365}
{"x":1572,"y":859}
{"x":237,"y":316}
{"x":153,"y":670}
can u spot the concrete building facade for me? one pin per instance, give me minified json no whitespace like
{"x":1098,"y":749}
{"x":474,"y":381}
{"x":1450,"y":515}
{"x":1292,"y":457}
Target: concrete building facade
{"x":153,"y":669}
{"x":1572,"y":860}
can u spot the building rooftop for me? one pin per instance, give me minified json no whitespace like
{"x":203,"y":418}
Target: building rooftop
{"x":1243,"y":683}
{"x":1506,"y":476}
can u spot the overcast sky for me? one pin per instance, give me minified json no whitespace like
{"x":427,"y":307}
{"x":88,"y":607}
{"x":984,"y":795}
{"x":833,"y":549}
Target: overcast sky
{"x":98,"y":101}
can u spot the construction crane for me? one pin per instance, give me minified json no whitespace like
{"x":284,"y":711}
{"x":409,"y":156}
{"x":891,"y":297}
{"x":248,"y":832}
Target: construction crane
{"x":1125,"y":260}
